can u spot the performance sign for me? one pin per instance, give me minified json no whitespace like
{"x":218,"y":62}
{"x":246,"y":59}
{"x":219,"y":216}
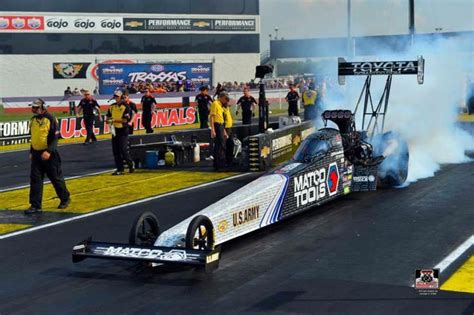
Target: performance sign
{"x":113,"y":76}
{"x":189,"y":24}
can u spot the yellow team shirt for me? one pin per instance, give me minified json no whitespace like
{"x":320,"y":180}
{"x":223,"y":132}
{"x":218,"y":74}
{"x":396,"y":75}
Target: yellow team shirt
{"x":118,"y":112}
{"x":309,"y":97}
{"x":228,"y":122}
{"x":40,"y":128}
{"x":217,"y":110}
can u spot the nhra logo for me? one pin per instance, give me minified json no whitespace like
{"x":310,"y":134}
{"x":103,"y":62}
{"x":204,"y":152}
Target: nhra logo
{"x":4,"y":23}
{"x":333,"y":179}
{"x":157,"y":68}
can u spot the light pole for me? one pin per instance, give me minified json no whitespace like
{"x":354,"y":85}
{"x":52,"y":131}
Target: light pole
{"x":276,"y":32}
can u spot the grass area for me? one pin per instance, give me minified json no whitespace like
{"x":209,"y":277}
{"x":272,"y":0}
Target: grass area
{"x":11,"y":227}
{"x":96,"y":192}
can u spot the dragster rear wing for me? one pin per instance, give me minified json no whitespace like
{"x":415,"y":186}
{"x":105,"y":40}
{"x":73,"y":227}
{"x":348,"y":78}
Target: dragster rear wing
{"x":151,"y":254}
{"x":381,"y":68}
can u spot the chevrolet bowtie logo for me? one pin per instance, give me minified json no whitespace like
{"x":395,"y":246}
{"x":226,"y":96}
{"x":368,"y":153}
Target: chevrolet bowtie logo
{"x":265,"y":152}
{"x":201,"y":24}
{"x":134,"y":24}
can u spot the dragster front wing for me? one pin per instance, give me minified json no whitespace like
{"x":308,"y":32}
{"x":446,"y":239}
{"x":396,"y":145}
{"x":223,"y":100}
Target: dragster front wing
{"x":151,"y":254}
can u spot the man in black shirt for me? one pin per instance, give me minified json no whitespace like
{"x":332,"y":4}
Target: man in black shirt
{"x":133,"y":111}
{"x":148,"y":106}
{"x":292,"y":98}
{"x":89,"y":106}
{"x":247,"y":103}
{"x":203,"y":101}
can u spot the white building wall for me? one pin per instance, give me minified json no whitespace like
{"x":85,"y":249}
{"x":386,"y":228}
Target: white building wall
{"x":32,"y":75}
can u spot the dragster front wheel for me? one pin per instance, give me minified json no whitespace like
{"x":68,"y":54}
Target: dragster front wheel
{"x":200,"y":234}
{"x":145,"y":230}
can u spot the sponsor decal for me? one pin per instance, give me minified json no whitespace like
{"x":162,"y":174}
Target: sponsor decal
{"x":157,"y":68}
{"x":112,"y":70}
{"x":382,"y":67}
{"x":212,"y":258}
{"x":310,"y":187}
{"x":106,"y":62}
{"x":189,"y":24}
{"x":235,"y":25}
{"x":364,"y":179}
{"x":265,"y":151}
{"x":288,"y":167}
{"x":427,"y":281}
{"x":83,"y":24}
{"x":143,"y":72}
{"x":347,"y":190}
{"x":70,"y":70}
{"x":21,"y":23}
{"x":222,"y":226}
{"x":17,"y":132}
{"x":201,"y":24}
{"x":200,"y":69}
{"x":333,"y":179}
{"x":282,"y":145}
{"x":133,"y":24}
{"x":144,"y":253}
{"x":113,"y":81}
{"x":245,"y":216}
{"x":162,"y":76}
{"x":296,"y":140}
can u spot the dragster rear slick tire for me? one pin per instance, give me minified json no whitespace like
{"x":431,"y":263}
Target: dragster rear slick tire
{"x":145,"y":230}
{"x":200,"y":234}
{"x":393,"y":171}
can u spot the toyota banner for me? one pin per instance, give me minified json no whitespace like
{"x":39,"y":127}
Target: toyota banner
{"x":114,"y":76}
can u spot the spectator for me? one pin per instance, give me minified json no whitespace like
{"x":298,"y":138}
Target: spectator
{"x":76,"y":92}
{"x":68,"y":92}
{"x":96,"y":91}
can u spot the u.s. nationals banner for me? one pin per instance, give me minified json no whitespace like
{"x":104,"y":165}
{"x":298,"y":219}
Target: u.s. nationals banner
{"x":16,"y":132}
{"x":113,"y":76}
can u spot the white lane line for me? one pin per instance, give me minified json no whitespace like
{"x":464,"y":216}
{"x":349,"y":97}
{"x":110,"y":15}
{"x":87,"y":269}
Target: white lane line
{"x":79,"y":217}
{"x":448,"y":260}
{"x":48,"y":182}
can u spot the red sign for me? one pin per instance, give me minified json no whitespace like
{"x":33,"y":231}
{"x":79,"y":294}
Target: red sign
{"x":21,"y":23}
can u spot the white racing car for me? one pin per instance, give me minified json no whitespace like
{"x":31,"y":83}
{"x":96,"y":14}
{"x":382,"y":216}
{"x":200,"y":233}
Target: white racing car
{"x":329,"y":163}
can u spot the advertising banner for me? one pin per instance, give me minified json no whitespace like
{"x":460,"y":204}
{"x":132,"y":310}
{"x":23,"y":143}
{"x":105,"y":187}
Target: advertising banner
{"x":83,"y":24}
{"x":21,"y":23}
{"x":16,"y":132}
{"x":189,"y":24}
{"x":113,"y":76}
{"x":76,"y":70}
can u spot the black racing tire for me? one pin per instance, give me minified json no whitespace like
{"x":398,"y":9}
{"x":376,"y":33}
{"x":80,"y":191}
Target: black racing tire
{"x":200,"y":234}
{"x":145,"y":230}
{"x":393,"y":171}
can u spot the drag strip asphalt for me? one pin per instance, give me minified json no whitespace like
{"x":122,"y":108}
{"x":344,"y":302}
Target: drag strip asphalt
{"x":355,"y":255}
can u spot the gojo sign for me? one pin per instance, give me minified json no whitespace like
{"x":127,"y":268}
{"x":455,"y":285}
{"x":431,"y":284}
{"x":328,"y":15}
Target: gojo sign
{"x":83,"y":24}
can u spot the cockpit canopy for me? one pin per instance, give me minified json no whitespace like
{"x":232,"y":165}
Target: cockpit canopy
{"x":311,"y":149}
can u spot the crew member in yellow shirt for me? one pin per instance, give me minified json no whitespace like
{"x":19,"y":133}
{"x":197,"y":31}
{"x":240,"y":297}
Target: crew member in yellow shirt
{"x":45,"y":158}
{"x":119,"y":115}
{"x":218,"y":132}
{"x":309,"y":102}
